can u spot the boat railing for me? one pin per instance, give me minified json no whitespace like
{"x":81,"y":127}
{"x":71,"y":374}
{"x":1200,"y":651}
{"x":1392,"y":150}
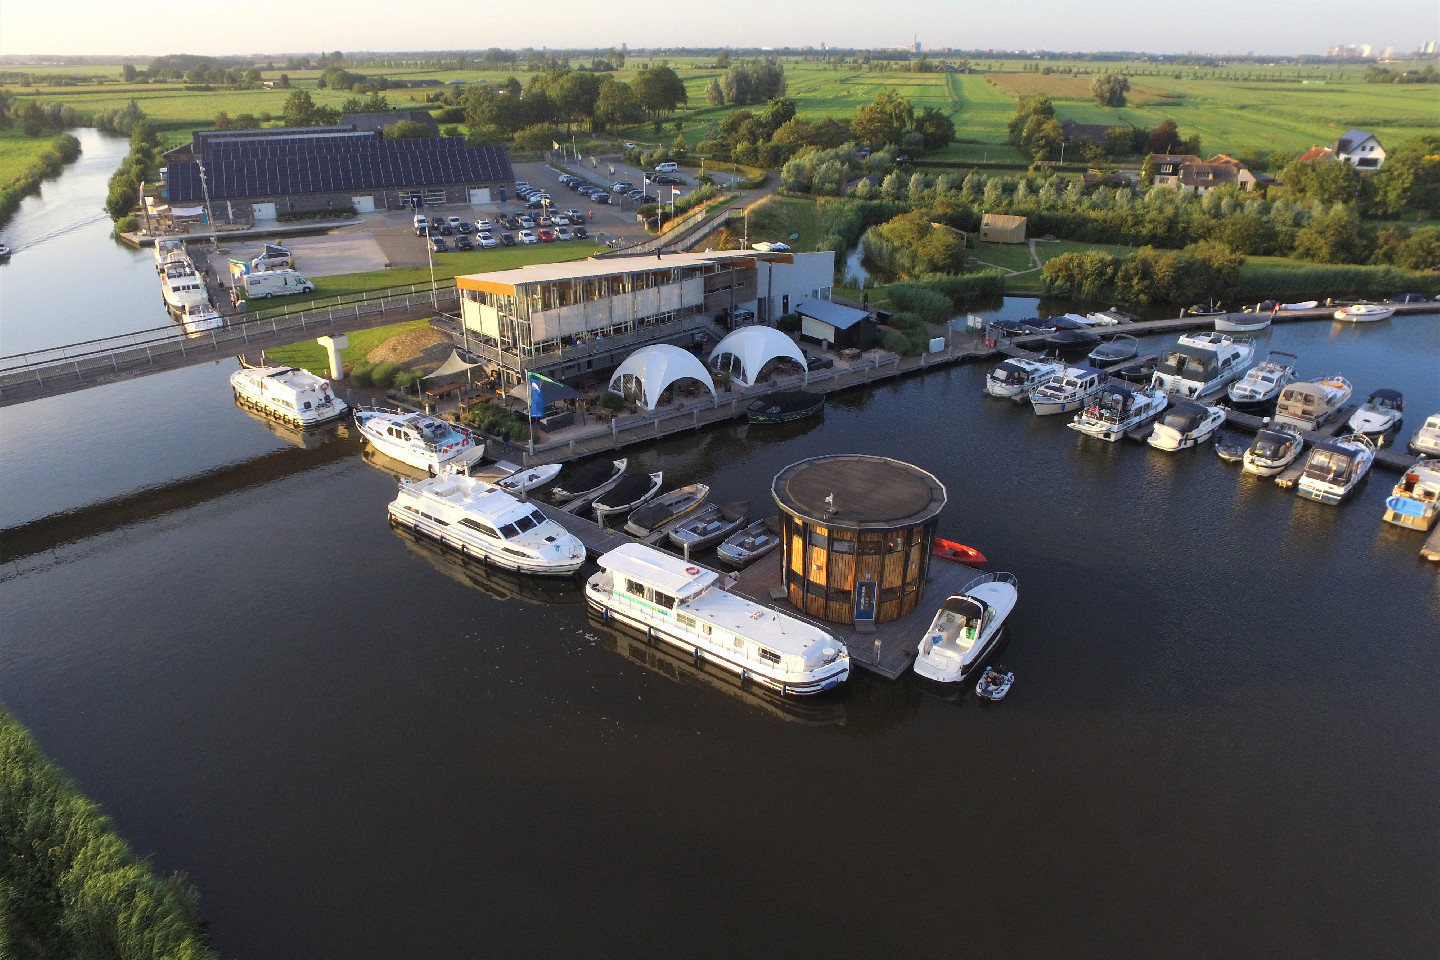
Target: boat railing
{"x":993,"y":577}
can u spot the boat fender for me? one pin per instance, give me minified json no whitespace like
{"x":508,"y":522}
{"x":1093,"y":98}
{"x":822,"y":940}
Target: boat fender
{"x":691,"y":571}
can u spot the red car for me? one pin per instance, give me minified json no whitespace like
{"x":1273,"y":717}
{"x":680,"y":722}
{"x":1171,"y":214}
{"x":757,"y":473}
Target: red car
{"x":547,"y":235}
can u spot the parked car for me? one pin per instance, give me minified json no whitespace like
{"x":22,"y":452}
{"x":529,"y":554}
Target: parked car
{"x":547,"y":235}
{"x":580,"y":233}
{"x":522,"y":185}
{"x":509,"y":222}
{"x":528,"y":222}
{"x":444,"y":229}
{"x":484,"y":225}
{"x":528,"y":236}
{"x":599,"y":197}
{"x":647,"y":198}
{"x":422,"y":225}
{"x":455,"y":223}
{"x":488,"y":241}
{"x":439,"y":245}
{"x":507,"y":239}
{"x":665,"y":180}
{"x":463,"y":242}
{"x":534,"y":203}
{"x":466,"y":227}
{"x":574,"y":215}
{"x":562,"y":233}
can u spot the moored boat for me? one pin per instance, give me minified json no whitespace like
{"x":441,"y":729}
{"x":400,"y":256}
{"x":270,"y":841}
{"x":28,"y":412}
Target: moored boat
{"x":1072,"y":341}
{"x":1335,"y":468}
{"x":589,"y":478}
{"x":200,"y":316}
{"x":995,"y":683}
{"x":1117,"y":410}
{"x":1260,"y":387}
{"x":1378,"y":415}
{"x":289,"y":394}
{"x":1111,"y":317}
{"x":687,"y":606}
{"x":1242,"y":322}
{"x":1426,"y":440}
{"x":181,"y":286}
{"x":750,"y":544}
{"x":478,"y":519}
{"x":631,"y":491}
{"x":1122,"y":349}
{"x":966,"y":628}
{"x":523,"y":481}
{"x":1301,"y":305}
{"x":1415,"y":501}
{"x":1273,"y":449}
{"x":1309,"y":404}
{"x":666,"y":508}
{"x":1066,"y":391}
{"x":956,"y":552}
{"x":167,"y":249}
{"x":1202,"y":364}
{"x":418,"y":439}
{"x":1364,"y":313}
{"x":1015,"y":379}
{"x":4,"y":253}
{"x":784,"y":406}
{"x":710,"y":524}
{"x":1186,"y":424}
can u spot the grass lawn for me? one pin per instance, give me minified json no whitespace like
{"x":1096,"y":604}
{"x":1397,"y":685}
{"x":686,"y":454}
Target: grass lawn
{"x":780,"y":217}
{"x":1008,"y":256}
{"x":18,"y":151}
{"x":311,"y":356}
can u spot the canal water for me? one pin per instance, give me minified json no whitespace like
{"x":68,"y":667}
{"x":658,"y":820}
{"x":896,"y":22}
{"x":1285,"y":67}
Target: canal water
{"x":1222,"y":740}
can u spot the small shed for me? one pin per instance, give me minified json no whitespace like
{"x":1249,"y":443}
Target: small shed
{"x":1002,"y":228}
{"x":825,"y":321}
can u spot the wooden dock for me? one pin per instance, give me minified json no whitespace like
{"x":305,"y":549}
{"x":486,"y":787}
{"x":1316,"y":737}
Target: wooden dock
{"x":1431,"y":549}
{"x":889,"y":648}
{"x":1391,"y":458}
{"x":597,"y":539}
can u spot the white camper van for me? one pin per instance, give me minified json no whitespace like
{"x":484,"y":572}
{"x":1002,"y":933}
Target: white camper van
{"x":275,"y":283}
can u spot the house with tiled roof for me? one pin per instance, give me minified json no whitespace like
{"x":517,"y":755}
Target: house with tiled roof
{"x":1183,"y":171}
{"x":1074,"y":130}
{"x":1359,"y":149}
{"x":1315,"y":154}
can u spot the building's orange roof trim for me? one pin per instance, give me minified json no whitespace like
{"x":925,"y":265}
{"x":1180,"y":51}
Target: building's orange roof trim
{"x":485,"y":286}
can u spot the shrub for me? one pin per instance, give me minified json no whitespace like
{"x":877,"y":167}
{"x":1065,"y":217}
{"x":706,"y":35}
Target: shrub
{"x":127,"y":224}
{"x":789,"y":322}
{"x":919,"y":300}
{"x":611,"y":400}
{"x":383,"y":374}
{"x":407,"y":380}
{"x":361,"y":375}
{"x":895,"y":341}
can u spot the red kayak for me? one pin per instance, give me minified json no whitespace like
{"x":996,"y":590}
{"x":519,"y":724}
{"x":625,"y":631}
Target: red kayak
{"x":958,"y":552}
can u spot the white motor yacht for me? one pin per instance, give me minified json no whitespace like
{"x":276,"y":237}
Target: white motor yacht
{"x":418,"y":439}
{"x":1310,"y":404}
{"x":1261,"y":385}
{"x":1274,"y":449}
{"x":201,"y":316}
{"x":168,"y":249}
{"x":1117,"y":409}
{"x":1427,"y":439}
{"x":688,"y":607}
{"x":966,"y":628}
{"x":1015,"y":379}
{"x":478,"y":519}
{"x":1415,"y":501}
{"x":1335,"y":468}
{"x":287,"y":393}
{"x":1364,"y":312}
{"x":181,"y":286}
{"x":1071,"y":389}
{"x":1186,"y":424}
{"x":1202,"y":364}
{"x":1377,"y":416}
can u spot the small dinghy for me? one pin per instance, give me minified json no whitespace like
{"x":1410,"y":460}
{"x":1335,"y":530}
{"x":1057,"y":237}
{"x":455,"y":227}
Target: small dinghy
{"x":994,"y":683}
{"x":750,"y":544}
{"x":632,"y":490}
{"x":710,"y":525}
{"x":589,"y":478}
{"x":522,"y":481}
{"x":958,"y":552}
{"x":784,"y":407}
{"x":1230,"y":449}
{"x":662,"y":510}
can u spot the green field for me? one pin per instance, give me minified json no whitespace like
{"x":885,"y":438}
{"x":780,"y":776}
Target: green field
{"x":18,"y":151}
{"x":313,"y":357}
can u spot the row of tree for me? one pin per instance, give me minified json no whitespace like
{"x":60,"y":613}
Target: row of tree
{"x":746,"y":83}
{"x":569,"y":98}
{"x":1035,"y":131}
{"x":1202,"y":271}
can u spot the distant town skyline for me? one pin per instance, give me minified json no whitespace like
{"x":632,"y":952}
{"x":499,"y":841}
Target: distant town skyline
{"x":1237,"y":27}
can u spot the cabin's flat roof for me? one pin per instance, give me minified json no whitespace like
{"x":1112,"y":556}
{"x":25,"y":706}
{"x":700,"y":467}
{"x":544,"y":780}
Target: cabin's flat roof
{"x":864,"y":491}
{"x":505,"y":281}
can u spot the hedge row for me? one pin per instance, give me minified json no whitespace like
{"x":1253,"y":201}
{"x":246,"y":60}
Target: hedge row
{"x":1262,"y":281}
{"x":62,"y":150}
{"x":69,"y":885}
{"x":383,"y":375}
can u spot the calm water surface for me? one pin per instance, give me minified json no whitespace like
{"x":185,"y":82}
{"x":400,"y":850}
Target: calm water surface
{"x":1222,"y":740}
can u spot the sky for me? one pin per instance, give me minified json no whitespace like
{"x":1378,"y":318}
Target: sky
{"x":97,"y":27}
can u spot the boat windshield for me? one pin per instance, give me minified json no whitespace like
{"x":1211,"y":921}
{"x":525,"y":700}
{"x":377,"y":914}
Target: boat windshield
{"x":1200,"y":365}
{"x":1271,"y":445}
{"x":1331,"y":466}
{"x":1181,"y":420}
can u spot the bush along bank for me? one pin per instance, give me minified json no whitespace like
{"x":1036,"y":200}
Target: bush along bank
{"x":69,"y":885}
{"x":62,"y":150}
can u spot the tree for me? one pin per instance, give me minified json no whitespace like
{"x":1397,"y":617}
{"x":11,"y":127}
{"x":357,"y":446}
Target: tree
{"x":301,"y":111}
{"x":722,"y":59}
{"x":883,"y":120}
{"x":659,"y":90}
{"x":615,"y":104}
{"x":128,"y":73}
{"x":1332,"y":238}
{"x":406,"y":130}
{"x":935,"y":127}
{"x":714,"y":95}
{"x":1164,"y":138}
{"x":1109,"y":89}
{"x":374,"y":103}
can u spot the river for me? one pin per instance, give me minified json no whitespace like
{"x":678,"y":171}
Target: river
{"x":1222,"y":740}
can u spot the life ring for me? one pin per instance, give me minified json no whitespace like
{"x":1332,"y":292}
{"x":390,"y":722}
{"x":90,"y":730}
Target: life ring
{"x":691,"y":571}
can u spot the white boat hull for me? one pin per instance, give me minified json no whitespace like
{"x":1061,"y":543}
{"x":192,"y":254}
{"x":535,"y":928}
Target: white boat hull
{"x":1242,"y":322}
{"x":559,"y":566}
{"x":1045,"y":408}
{"x":249,"y":390}
{"x":460,"y":455}
{"x":1169,"y":439}
{"x":1364,"y":313}
{"x":1268,"y":468}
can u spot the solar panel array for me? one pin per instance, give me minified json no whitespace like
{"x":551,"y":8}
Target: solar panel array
{"x":269,"y":167}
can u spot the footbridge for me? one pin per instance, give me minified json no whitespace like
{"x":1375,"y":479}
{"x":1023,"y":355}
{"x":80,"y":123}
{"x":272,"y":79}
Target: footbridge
{"x":93,"y":363}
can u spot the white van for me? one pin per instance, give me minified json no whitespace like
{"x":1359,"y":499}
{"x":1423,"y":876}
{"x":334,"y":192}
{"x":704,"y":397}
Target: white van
{"x":667,"y":167}
{"x":276,"y":283}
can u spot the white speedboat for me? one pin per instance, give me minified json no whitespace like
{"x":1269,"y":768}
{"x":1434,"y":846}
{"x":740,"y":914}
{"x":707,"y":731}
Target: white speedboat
{"x":1015,"y":379}
{"x":1415,"y":501}
{"x":1377,"y":416}
{"x":418,"y":439}
{"x":478,"y":519}
{"x":287,"y":393}
{"x":1301,"y":305}
{"x":1273,"y":449}
{"x":181,"y":286}
{"x":1364,"y":312}
{"x":1202,"y":364}
{"x":1071,"y":389}
{"x":709,"y":525}
{"x":1118,"y":409}
{"x":631,"y":491}
{"x":1242,"y":322}
{"x":201,"y":316}
{"x":1427,"y":439}
{"x":646,"y":519}
{"x":1261,"y":385}
{"x":523,"y":481}
{"x":1112,"y":317}
{"x":688,"y":607}
{"x":994,"y":683}
{"x":1335,"y":468}
{"x":748,"y":545}
{"x":1186,"y":424}
{"x":1309,"y":404}
{"x":966,"y":628}
{"x":167,"y":250}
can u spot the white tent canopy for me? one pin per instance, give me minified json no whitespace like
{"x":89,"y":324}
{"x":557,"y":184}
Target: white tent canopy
{"x":755,"y":346}
{"x":654,"y":368}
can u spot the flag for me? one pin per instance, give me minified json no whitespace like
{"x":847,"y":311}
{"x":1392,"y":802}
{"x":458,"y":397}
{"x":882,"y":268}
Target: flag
{"x":537,"y":397}
{"x":612,"y":169}
{"x":555,"y":144}
{"x":674,"y":191}
{"x":1275,"y":309}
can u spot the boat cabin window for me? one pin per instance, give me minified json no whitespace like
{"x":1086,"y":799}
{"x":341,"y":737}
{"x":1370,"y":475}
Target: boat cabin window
{"x":484,"y":528}
{"x":769,"y":656}
{"x":1329,"y":465}
{"x":526,"y":522}
{"x":663,"y":600}
{"x":635,"y":588}
{"x":509,"y":531}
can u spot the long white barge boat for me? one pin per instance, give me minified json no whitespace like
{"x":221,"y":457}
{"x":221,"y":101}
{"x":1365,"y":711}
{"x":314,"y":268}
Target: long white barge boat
{"x":286,"y":393}
{"x":688,"y":607}
{"x":480,"y":520}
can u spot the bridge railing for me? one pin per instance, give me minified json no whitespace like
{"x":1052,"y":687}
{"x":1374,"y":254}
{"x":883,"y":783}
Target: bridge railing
{"x":146,"y":347}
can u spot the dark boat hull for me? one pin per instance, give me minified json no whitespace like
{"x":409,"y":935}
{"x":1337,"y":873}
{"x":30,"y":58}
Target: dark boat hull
{"x":785,"y":407}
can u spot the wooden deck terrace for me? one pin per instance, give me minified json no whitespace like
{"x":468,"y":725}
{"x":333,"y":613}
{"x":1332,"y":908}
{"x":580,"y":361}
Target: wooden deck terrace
{"x":887,"y":649}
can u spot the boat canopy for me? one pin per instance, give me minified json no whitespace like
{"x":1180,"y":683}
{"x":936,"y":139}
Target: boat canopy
{"x":1388,"y":397}
{"x":1194,"y":363}
{"x":662,"y":571}
{"x":1185,"y":416}
{"x":654,"y":368}
{"x":752,"y":347}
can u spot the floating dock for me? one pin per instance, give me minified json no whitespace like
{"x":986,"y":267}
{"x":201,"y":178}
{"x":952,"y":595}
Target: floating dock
{"x":1431,"y":549}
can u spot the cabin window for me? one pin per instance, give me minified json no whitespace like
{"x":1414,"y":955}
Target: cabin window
{"x":770,"y":656}
{"x":484,"y":529}
{"x":635,"y":588}
{"x":526,"y":522}
{"x":509,"y":531}
{"x":664,"y":600}
{"x":686,"y":620}
{"x":537,"y":516}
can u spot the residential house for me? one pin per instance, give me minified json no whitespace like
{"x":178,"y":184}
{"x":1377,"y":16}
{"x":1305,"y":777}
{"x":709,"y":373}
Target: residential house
{"x":1002,"y":228}
{"x":1188,"y":172}
{"x":1359,"y":149}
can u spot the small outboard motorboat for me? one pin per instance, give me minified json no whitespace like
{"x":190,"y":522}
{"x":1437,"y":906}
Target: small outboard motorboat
{"x":994,"y":683}
{"x":1231,"y":449}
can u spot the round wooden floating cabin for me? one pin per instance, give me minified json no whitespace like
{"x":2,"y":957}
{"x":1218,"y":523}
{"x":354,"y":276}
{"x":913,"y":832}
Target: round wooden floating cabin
{"x":856,"y":535}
